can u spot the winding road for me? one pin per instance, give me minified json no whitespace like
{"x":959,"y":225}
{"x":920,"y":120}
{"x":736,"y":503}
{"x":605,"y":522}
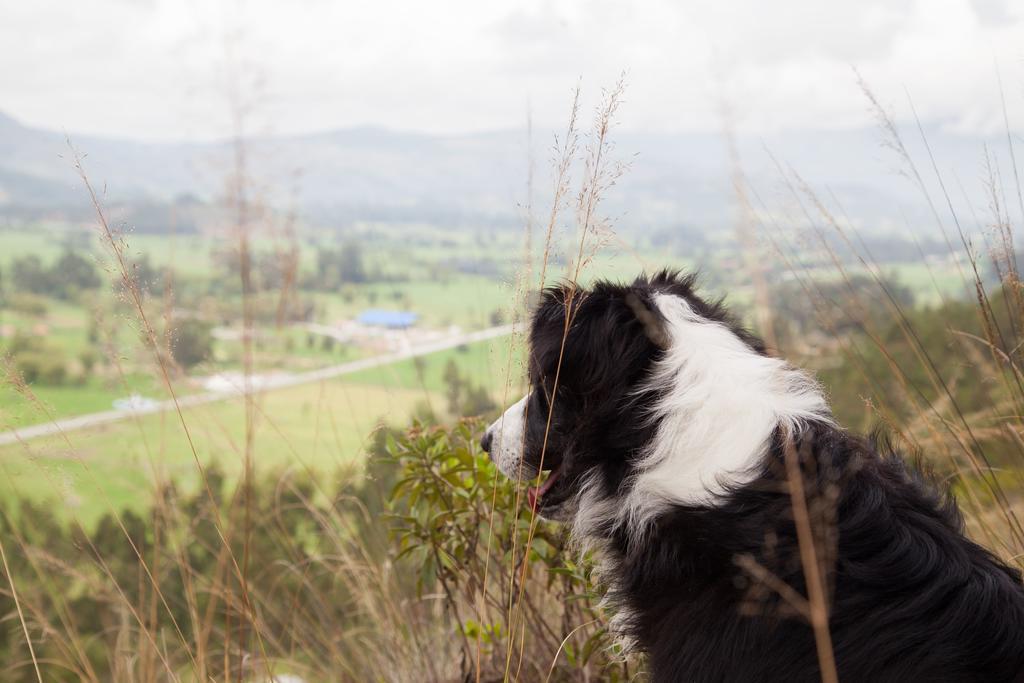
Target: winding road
{"x":266,"y":384}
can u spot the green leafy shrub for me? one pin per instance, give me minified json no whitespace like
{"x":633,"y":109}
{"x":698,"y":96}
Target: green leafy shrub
{"x":192,"y":342}
{"x":64,"y":279}
{"x":464,"y":527}
{"x":88,"y":359}
{"x":42,"y":367}
{"x":29,"y":304}
{"x":37,"y":362}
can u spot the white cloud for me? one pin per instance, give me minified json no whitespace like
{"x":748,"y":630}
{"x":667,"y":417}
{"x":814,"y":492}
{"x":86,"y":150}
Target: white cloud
{"x":155,"y":70}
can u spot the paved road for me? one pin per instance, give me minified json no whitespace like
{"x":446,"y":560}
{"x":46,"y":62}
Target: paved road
{"x":266,"y":384}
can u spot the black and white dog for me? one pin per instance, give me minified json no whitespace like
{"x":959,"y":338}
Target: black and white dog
{"x":668,"y":432}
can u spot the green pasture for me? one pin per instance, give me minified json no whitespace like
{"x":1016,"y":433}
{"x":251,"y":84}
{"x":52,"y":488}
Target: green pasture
{"x":492,"y":364}
{"x":53,"y":402}
{"x":322,"y":428}
{"x":318,"y":426}
{"x":463,"y":300}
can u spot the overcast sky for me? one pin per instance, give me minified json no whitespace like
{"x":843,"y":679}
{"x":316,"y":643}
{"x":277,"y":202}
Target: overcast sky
{"x":156,"y":69}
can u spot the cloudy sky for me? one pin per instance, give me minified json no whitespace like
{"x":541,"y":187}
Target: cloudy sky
{"x":164,"y":69}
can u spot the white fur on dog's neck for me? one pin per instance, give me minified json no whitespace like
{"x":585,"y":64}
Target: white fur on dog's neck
{"x":720,"y":403}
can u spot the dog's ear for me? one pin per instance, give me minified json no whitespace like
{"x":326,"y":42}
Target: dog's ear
{"x":653,"y":323}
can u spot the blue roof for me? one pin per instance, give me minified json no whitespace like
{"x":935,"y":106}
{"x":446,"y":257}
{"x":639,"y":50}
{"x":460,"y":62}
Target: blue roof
{"x":394,"y":319}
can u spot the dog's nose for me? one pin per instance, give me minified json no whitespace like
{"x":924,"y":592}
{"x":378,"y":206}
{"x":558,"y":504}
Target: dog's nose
{"x":485,"y":443}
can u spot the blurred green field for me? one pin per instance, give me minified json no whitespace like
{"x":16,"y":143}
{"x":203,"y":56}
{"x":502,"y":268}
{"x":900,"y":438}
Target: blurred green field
{"x":323,"y":426}
{"x":467,"y":301}
{"x":93,"y":396}
{"x":450,"y":278}
{"x":487,"y":364}
{"x":318,"y":427}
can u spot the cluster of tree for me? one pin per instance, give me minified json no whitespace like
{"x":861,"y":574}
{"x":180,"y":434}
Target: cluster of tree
{"x":328,"y":344}
{"x":831,"y":307}
{"x":679,"y":238}
{"x":65,"y":278}
{"x":273,"y":290}
{"x":886,"y":248}
{"x":191,"y":342}
{"x":144,"y":276}
{"x":336,"y":267}
{"x":25,"y":302}
{"x":487,"y":267}
{"x":180,"y":217}
{"x":272,"y":270}
{"x":465,"y":398}
{"x":38,"y":362}
{"x":345,"y":265}
{"x":881,"y":366}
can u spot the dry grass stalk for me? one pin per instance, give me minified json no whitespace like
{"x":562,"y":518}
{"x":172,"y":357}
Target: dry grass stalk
{"x":817,"y":602}
{"x":599,"y":174}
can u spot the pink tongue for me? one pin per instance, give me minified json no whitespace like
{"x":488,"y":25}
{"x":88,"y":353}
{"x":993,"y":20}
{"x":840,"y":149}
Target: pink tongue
{"x":534,"y":492}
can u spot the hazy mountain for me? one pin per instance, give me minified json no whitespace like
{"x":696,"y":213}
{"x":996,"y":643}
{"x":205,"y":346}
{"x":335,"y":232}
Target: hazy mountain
{"x":372,"y":173}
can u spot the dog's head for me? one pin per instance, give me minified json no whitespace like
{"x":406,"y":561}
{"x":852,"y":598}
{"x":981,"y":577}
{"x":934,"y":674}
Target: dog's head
{"x":642,"y":395}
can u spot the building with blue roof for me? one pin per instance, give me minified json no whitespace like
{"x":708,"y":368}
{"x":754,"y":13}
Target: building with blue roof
{"x":392,"y":320}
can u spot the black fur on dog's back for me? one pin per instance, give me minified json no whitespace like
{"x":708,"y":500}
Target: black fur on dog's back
{"x":911,"y":599}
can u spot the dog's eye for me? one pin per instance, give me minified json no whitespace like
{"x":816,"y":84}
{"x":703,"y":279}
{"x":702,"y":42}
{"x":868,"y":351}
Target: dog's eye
{"x":539,"y":399}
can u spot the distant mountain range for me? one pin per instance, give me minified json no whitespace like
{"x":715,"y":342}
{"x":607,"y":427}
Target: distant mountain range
{"x":376,"y":174}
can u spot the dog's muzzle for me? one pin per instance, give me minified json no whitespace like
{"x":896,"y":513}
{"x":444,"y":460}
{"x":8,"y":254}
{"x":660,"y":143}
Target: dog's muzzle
{"x":505,"y":440}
